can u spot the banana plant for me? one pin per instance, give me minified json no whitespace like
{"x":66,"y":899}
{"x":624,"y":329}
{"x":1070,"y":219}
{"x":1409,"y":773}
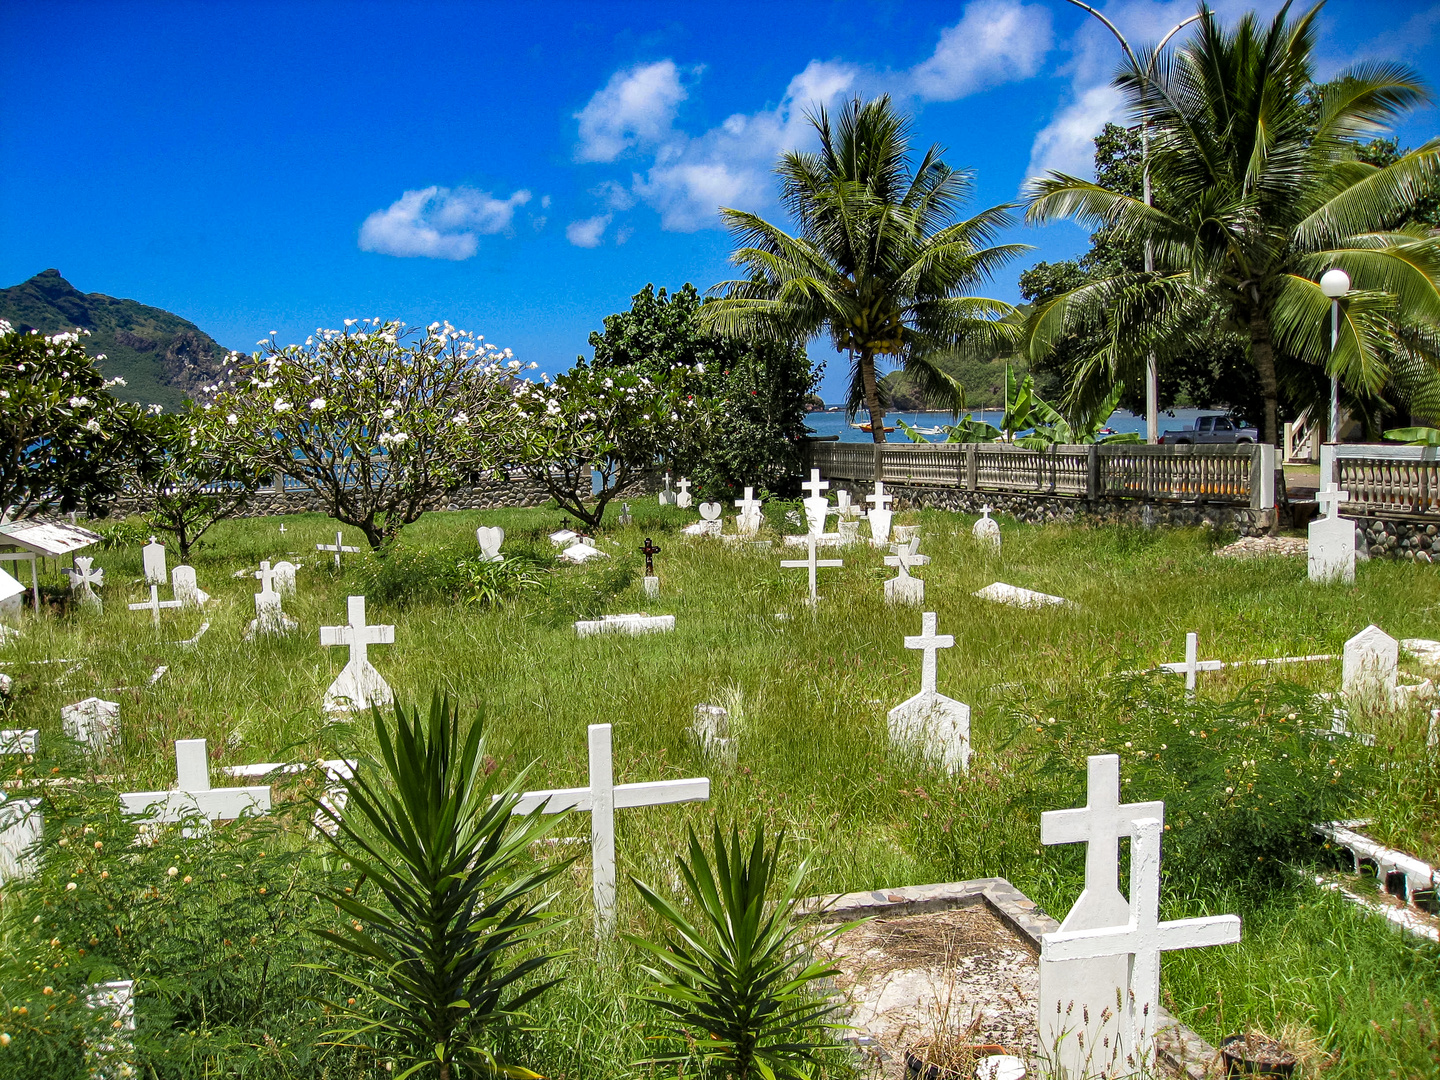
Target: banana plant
{"x":1054,"y":428}
{"x":1415,"y":436}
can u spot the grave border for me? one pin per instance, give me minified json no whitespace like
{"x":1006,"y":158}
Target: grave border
{"x":1176,"y":1045}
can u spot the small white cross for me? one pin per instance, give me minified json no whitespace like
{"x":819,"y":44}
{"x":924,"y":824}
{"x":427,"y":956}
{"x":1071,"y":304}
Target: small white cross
{"x":684,"y":485}
{"x":815,"y":486}
{"x":282,"y":528}
{"x":602,"y":798}
{"x":357,"y":634}
{"x":193,"y":792}
{"x":154,"y":604}
{"x":1191,"y":665}
{"x":931,"y":642}
{"x":338,"y":547}
{"x":880,"y":500}
{"x":1330,"y":499}
{"x":905,"y":556}
{"x":986,"y":510}
{"x":748,"y":505}
{"x":266,"y":577}
{"x":83,"y":577}
{"x":812,"y":563}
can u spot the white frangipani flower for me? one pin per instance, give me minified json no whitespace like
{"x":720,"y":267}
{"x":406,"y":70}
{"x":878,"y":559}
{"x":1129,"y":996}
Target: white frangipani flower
{"x":231,"y":419}
{"x":388,"y":414}
{"x":317,"y":404}
{"x":79,"y":402}
{"x":92,"y":426}
{"x":281,"y":405}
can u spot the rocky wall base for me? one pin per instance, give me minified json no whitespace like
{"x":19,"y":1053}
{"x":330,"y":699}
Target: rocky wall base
{"x":1410,"y":540}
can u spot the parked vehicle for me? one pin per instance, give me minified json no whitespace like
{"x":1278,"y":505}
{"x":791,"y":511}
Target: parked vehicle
{"x":1210,"y":430}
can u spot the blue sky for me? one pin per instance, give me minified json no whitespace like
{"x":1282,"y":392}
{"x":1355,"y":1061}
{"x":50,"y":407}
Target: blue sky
{"x":518,"y":169}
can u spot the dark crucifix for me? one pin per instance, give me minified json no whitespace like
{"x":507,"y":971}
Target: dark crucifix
{"x":650,"y":551}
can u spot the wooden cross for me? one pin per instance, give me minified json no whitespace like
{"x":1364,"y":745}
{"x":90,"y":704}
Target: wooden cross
{"x":815,"y":486}
{"x":337,"y":548}
{"x":357,"y":634}
{"x":1192,"y":666}
{"x":1143,"y":938}
{"x":1330,"y":499}
{"x":193,"y":792}
{"x":154,"y":604}
{"x":812,"y":563}
{"x":650,"y":550}
{"x":931,"y":642}
{"x":601,"y":799}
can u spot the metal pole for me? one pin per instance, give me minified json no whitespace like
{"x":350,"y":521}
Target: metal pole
{"x":1334,"y":376}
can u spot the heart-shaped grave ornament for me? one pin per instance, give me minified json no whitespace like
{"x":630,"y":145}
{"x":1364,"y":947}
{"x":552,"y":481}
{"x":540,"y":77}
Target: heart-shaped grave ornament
{"x":490,"y":538}
{"x":710,"y":511}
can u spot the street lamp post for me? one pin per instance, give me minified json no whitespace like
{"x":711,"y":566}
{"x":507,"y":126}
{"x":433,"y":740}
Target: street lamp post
{"x":1335,"y":284}
{"x":1152,"y":372}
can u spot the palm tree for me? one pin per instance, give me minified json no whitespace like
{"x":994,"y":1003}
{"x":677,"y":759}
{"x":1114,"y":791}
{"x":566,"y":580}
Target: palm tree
{"x":1262,"y":192}
{"x":879,"y":261}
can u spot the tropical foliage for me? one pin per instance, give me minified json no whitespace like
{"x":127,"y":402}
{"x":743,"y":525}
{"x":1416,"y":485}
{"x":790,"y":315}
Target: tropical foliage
{"x":1265,"y":190}
{"x":879,"y":262}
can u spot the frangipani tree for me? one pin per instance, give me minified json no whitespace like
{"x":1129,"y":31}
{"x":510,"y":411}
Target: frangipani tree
{"x":380,"y":420}
{"x":1263,"y":191}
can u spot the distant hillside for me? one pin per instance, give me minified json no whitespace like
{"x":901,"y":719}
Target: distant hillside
{"x":984,"y":383}
{"x":162,"y":357}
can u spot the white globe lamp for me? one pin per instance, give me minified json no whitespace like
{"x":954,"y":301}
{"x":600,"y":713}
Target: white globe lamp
{"x":1335,"y":283}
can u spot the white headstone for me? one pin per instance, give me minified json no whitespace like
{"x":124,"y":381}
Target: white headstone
{"x":711,"y":730}
{"x":153,"y":558}
{"x":193,"y":794}
{"x":902,"y":588}
{"x":270,"y":618}
{"x":812,"y":564}
{"x":1371,"y":665}
{"x":625,"y":624}
{"x":710,"y":511}
{"x":683,"y":500}
{"x":1080,"y":1018}
{"x":359,"y":685}
{"x":987,"y":531}
{"x":19,"y":740}
{"x":601,"y":799}
{"x":1192,"y":665}
{"x":751,"y":518}
{"x":848,"y":531}
{"x":186,"y":590}
{"x":880,"y":514}
{"x":624,"y":518}
{"x":846,"y":510}
{"x":1000,"y":593}
{"x":338,"y":547}
{"x":651,"y":584}
{"x":667,"y":494}
{"x":285,"y":577}
{"x":490,"y":537}
{"x":21,"y":826}
{"x":93,"y":721}
{"x":817,"y":506}
{"x":83,"y":578}
{"x":931,"y":723}
{"x":1331,"y":547}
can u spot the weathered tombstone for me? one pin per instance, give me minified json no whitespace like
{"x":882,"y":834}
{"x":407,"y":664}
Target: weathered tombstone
{"x":19,"y":741}
{"x":1080,"y":999}
{"x":987,"y":531}
{"x":94,"y":722}
{"x":849,"y":532}
{"x":359,"y":685}
{"x":667,"y":494}
{"x":750,"y":519}
{"x":83,"y":577}
{"x":936,"y":726}
{"x":269,"y":616}
{"x":581,"y":551}
{"x":285,"y":577}
{"x":1331,"y":548}
{"x":902,"y":588}
{"x":625,"y":624}
{"x":624,"y":518}
{"x":109,"y":1057}
{"x":812,"y":563}
{"x":564,"y":536}
{"x":683,"y":501}
{"x":651,"y":582}
{"x":817,"y":506}
{"x":880,"y":514}
{"x":709,"y":523}
{"x":1000,"y":592}
{"x":1371,"y":665}
{"x":338,"y":547}
{"x":154,"y":604}
{"x":153,"y":559}
{"x":1192,"y":665}
{"x":1139,"y":940}
{"x":21,"y":826}
{"x":193,"y":794}
{"x":844,"y":508}
{"x":186,"y":590}
{"x":490,"y":537}
{"x":711,"y":730}
{"x":601,"y":799}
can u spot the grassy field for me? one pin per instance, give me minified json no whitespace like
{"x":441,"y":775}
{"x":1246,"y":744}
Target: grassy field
{"x":809,"y":694}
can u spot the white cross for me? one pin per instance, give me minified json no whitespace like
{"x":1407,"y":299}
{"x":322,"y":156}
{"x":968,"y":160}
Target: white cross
{"x":815,"y":486}
{"x":931,"y":642}
{"x":282,"y":528}
{"x":154,"y":604}
{"x":356,"y":634}
{"x":986,"y":510}
{"x":601,"y":799}
{"x":905,"y":556}
{"x":812,"y":563}
{"x":1143,"y":938}
{"x":880,"y":499}
{"x":1330,"y":499}
{"x":337,"y":548}
{"x":266,"y":577}
{"x":684,"y":486}
{"x":193,"y":792}
{"x":83,"y":577}
{"x":1191,"y":665}
{"x":748,"y":505}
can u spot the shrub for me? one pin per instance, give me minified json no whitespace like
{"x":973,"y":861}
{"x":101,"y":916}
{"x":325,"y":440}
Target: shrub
{"x":417,"y":574}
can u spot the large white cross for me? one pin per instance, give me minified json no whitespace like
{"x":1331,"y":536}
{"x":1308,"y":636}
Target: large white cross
{"x":815,"y":486}
{"x":1192,"y":665}
{"x":601,"y":799}
{"x":356,"y":633}
{"x":931,"y":642}
{"x":905,"y":556}
{"x":812,"y":563}
{"x":337,"y":547}
{"x":749,"y":505}
{"x":193,"y":793}
{"x":1330,"y":499}
{"x":154,"y":604}
{"x":1143,"y":938}
{"x":266,"y":577}
{"x":84,"y":575}
{"x":880,"y":500}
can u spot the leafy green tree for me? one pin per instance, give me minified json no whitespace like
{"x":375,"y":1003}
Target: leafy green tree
{"x":65,"y":442}
{"x":1265,"y":191}
{"x":757,"y":390}
{"x":880,"y":262}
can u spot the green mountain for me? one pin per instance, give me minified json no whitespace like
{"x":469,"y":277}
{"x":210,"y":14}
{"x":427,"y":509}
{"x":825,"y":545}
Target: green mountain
{"x":162,"y":357}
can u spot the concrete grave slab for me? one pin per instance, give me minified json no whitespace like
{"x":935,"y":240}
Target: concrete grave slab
{"x":625,"y":624}
{"x":1001,"y":593}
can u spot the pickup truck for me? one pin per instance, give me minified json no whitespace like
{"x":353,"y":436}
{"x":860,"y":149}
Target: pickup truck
{"x":1209,"y":430}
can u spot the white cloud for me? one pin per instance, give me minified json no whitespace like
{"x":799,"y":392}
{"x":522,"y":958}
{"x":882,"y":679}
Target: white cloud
{"x":588,"y":232}
{"x":1066,"y":144}
{"x":995,"y":41}
{"x":635,"y":108}
{"x":613,"y":195}
{"x":438,"y":223}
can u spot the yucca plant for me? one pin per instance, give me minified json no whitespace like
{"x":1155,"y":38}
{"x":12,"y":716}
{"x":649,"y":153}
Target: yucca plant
{"x":737,"y":981}
{"x":451,"y":940}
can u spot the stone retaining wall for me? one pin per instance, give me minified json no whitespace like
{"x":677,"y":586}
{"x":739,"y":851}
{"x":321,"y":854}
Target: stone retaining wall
{"x":1410,"y":540}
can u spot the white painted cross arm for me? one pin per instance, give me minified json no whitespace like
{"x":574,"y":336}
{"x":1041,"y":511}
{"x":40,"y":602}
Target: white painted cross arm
{"x":1166,"y":937}
{"x":193,"y":792}
{"x":338,"y":547}
{"x":1192,"y":665}
{"x":627,"y":796}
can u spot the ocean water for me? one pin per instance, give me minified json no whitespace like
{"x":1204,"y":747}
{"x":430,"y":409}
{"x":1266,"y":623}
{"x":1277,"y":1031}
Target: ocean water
{"x":834,"y":423}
